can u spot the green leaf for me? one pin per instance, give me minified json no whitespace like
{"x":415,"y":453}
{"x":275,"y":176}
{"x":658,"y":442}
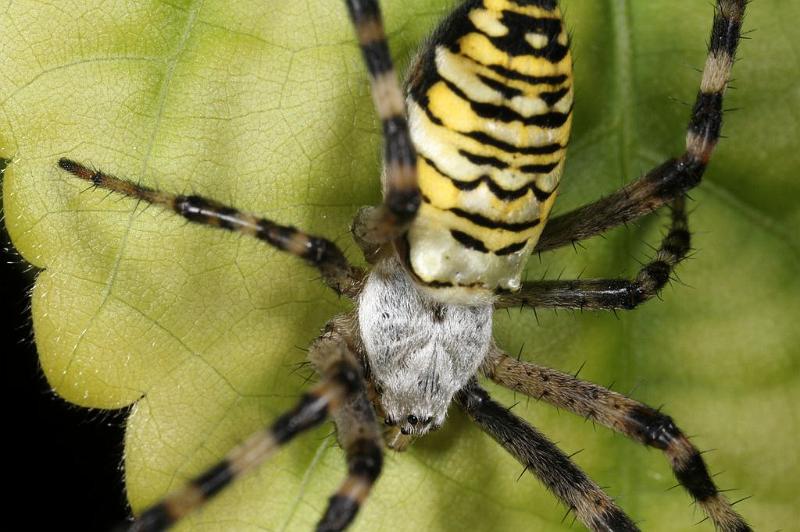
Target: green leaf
{"x":266,"y":105}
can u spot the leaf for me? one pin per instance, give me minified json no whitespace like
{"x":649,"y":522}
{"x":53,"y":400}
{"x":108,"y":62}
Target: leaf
{"x":266,"y":106}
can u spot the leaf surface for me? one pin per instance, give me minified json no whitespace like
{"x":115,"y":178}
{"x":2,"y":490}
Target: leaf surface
{"x":265,"y":105}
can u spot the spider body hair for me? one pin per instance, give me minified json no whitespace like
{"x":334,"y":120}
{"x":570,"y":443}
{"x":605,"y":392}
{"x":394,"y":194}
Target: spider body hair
{"x":420,"y":351}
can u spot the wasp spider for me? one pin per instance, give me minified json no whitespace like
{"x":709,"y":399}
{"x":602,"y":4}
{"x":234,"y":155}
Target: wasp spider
{"x":474,"y":150}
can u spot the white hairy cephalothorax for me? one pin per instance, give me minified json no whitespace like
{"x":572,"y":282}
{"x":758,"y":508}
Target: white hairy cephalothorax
{"x":420,"y":351}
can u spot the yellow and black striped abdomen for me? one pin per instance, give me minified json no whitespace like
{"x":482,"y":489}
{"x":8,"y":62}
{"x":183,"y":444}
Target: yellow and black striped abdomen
{"x":490,"y":103}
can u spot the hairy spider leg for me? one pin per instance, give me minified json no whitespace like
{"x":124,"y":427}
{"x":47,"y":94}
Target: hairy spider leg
{"x":675,"y":177}
{"x":359,"y":434}
{"x":626,"y":416}
{"x":401,"y":195}
{"x":320,"y":252}
{"x":666,"y":184}
{"x":593,"y":507}
{"x":341,"y":394}
{"x":607,"y":294}
{"x":373,"y":225}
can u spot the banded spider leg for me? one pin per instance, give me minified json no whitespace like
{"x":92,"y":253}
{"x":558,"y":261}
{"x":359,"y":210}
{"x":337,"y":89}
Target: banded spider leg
{"x":341,"y":391}
{"x":665,"y":185}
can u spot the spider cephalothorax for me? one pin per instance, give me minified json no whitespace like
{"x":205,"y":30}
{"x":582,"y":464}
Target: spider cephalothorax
{"x":420,"y":351}
{"x":474,"y":154}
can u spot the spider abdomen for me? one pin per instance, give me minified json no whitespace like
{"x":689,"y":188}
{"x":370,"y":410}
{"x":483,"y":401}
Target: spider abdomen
{"x":490,"y":103}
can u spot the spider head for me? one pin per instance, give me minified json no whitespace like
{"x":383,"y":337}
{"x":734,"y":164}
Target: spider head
{"x":412,"y":413}
{"x":412,"y":424}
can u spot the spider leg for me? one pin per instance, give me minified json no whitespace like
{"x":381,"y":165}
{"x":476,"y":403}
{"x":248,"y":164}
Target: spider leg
{"x":341,"y":394}
{"x":594,"y":294}
{"x":595,"y":509}
{"x":675,"y":177}
{"x":359,"y":434}
{"x":626,"y":416}
{"x":336,"y":271}
{"x":401,"y":195}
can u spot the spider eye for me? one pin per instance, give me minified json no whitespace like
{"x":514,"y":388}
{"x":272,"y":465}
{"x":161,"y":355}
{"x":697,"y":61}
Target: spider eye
{"x":389,"y":421}
{"x":412,"y":419}
{"x":427,"y":421}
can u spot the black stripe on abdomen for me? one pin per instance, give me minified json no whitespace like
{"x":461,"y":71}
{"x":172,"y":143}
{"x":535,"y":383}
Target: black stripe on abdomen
{"x":498,"y":191}
{"x":468,"y":241}
{"x":483,"y":160}
{"x":514,"y":42}
{"x":531,"y":80}
{"x":477,"y":244}
{"x":483,"y":221}
{"x":485,"y":138}
{"x":490,"y":111}
{"x":552,"y":98}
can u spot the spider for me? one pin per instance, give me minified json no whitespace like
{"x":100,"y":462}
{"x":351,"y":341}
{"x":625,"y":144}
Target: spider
{"x":473,"y":156}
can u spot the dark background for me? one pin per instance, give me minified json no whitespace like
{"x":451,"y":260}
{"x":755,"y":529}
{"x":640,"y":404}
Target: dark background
{"x":61,"y":463}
